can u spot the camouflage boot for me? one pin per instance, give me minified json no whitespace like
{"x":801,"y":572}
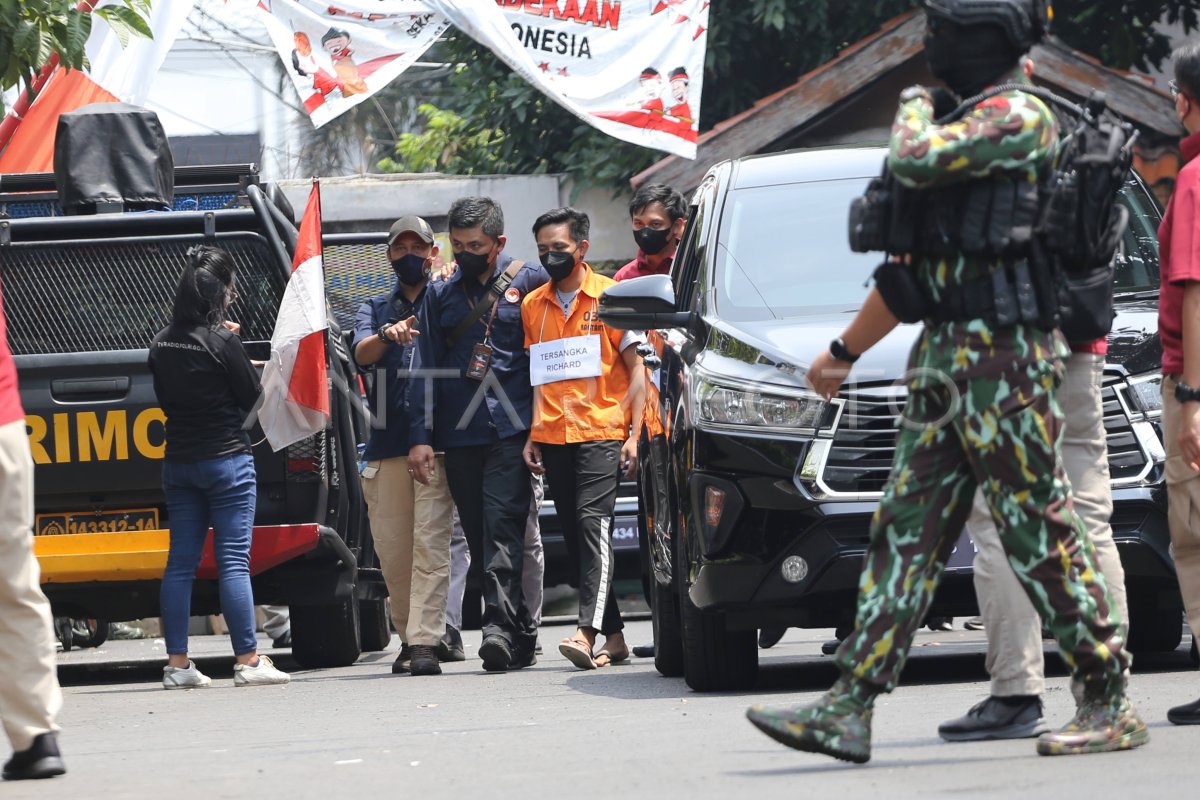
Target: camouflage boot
{"x":1103,"y":722}
{"x":838,"y":724}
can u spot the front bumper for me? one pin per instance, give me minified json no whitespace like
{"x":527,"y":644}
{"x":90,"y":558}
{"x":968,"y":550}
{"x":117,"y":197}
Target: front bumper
{"x":117,"y":576}
{"x":142,"y":555}
{"x":754,"y":590}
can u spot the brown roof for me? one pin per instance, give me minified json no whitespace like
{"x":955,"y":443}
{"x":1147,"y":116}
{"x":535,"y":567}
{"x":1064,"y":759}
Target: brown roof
{"x":866,"y":61}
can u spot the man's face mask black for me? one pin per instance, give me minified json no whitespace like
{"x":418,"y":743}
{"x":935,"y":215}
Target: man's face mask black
{"x":559,"y":264}
{"x":652,"y":240}
{"x":473,"y":265}
{"x":409,"y":268}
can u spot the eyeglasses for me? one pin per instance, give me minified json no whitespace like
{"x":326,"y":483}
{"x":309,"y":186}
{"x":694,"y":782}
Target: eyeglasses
{"x":234,"y":296}
{"x":1174,"y":88}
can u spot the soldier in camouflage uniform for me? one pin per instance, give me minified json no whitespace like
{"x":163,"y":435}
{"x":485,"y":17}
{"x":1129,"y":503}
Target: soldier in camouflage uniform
{"x":980,"y":412}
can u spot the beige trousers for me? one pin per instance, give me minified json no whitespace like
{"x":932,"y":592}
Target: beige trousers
{"x":411,"y":525}
{"x":30,"y":697}
{"x":1014,"y":632}
{"x":1183,"y":510}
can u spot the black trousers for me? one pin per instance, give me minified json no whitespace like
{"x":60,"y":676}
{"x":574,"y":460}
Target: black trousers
{"x":582,"y":479}
{"x":491,"y":488}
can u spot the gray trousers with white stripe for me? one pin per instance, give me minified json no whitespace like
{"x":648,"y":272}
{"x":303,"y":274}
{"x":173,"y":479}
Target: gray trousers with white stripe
{"x":582,"y":479}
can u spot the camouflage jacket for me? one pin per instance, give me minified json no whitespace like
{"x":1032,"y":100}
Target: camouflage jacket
{"x":1011,"y":136}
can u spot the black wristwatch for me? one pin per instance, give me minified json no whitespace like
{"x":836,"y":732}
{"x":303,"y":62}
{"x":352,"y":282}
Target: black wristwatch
{"x":383,"y":336}
{"x":837,"y":349}
{"x":1185,"y":393}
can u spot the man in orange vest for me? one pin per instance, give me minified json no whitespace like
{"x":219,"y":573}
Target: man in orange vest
{"x":588,"y":388}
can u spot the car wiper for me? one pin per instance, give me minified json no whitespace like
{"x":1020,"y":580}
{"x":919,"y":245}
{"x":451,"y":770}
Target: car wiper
{"x":1140,"y":295}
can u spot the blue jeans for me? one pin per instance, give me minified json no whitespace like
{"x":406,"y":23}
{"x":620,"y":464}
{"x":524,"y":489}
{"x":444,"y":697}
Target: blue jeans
{"x":221,"y":493}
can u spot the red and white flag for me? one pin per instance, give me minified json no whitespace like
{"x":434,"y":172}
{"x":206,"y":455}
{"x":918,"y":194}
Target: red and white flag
{"x":117,"y":73}
{"x":295,"y":381}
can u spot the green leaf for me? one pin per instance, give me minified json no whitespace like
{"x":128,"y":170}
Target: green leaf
{"x":79,"y":28}
{"x":24,"y":44}
{"x":137,"y":23}
{"x":118,"y":25}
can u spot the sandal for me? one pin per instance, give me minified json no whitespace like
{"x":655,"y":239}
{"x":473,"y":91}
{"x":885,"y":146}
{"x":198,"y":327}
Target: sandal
{"x":578,"y":652}
{"x":611,"y":658}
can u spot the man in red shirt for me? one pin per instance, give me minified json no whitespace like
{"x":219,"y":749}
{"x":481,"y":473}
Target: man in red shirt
{"x":29,"y":693}
{"x":658,"y":214}
{"x":1179,"y":324}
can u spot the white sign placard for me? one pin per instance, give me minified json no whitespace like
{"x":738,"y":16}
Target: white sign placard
{"x":565,"y":359}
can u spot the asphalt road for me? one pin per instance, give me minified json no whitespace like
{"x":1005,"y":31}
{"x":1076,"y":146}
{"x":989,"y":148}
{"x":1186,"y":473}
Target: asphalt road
{"x":554,"y":732}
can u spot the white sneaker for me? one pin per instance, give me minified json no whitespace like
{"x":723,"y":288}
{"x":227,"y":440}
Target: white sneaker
{"x":263,"y":673}
{"x":189,"y":677}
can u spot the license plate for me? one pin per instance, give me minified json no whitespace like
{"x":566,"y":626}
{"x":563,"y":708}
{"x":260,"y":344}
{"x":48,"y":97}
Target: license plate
{"x":128,"y":519}
{"x":625,"y":533}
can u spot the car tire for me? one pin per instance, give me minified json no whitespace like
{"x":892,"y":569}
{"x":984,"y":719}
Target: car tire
{"x":668,"y":633}
{"x":97,"y":634}
{"x":1152,"y":630}
{"x":715,"y":658}
{"x":326,"y":635}
{"x":374,"y":632}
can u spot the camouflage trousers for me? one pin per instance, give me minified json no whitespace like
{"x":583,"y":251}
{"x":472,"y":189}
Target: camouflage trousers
{"x":1000,"y":430}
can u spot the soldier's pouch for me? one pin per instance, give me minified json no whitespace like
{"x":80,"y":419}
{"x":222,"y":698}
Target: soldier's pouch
{"x":901,"y":291}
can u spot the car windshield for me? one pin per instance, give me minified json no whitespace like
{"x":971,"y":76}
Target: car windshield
{"x":783,"y":251}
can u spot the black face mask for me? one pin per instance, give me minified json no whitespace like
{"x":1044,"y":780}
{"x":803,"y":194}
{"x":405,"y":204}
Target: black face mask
{"x":651,"y":240}
{"x":969,"y":58}
{"x":473,"y":265}
{"x":410,"y":269}
{"x":559,"y":264}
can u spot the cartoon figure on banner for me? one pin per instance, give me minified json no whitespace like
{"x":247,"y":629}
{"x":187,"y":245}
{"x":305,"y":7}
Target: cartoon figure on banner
{"x":679,"y":93}
{"x":651,"y":112}
{"x":336,"y":42}
{"x":651,"y":85}
{"x":322,"y":82}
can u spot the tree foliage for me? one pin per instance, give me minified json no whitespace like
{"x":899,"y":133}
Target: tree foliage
{"x":1122,"y":33}
{"x":31,"y":31}
{"x":445,"y":145}
{"x":755,"y":48}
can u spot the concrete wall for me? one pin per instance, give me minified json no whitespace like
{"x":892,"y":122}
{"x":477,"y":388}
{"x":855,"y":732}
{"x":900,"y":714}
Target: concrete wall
{"x":373,"y":202}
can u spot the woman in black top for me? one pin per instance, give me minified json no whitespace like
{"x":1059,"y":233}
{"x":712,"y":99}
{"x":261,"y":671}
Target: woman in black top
{"x":207,"y":387}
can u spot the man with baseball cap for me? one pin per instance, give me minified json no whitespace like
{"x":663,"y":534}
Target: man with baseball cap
{"x":410,"y":521}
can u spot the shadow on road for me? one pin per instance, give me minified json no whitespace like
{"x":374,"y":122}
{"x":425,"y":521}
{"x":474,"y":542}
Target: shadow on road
{"x":780,"y":674}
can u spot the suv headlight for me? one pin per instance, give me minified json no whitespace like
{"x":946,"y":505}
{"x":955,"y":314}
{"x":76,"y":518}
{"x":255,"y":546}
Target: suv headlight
{"x":1143,"y":396}
{"x":729,"y":404}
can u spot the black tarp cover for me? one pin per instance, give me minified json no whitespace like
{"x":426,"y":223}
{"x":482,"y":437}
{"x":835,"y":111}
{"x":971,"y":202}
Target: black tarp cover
{"x":112,"y":153}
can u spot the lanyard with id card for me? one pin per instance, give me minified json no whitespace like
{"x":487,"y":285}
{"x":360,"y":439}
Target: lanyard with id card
{"x":481,"y":354}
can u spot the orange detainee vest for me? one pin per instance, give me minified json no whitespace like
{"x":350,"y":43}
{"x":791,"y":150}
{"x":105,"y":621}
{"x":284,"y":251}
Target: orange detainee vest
{"x":584,"y":409}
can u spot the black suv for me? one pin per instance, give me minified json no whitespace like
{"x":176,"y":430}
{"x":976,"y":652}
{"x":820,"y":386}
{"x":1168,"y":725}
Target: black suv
{"x":757,"y":494}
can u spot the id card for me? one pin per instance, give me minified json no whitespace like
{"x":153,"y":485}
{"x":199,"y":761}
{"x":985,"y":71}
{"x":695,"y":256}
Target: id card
{"x":480,"y":362}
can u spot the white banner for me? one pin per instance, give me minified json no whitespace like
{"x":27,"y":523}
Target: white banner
{"x":632,"y":68}
{"x":338,"y":57}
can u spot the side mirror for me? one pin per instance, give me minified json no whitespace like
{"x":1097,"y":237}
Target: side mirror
{"x":640,"y":304}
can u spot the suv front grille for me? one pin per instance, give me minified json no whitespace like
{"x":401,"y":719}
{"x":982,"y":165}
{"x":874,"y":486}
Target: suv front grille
{"x":864,"y":444}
